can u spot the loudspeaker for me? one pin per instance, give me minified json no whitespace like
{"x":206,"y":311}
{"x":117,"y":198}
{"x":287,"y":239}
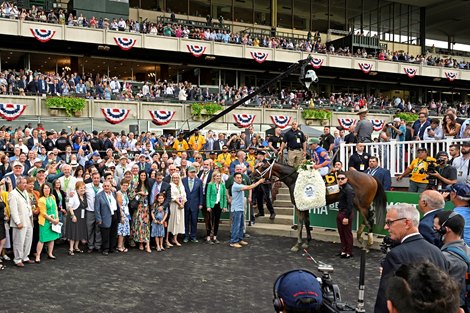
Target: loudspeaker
{"x":443,"y":230}
{"x":134,"y":129}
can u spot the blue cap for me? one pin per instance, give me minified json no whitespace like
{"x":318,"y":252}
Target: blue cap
{"x":96,"y":153}
{"x":460,"y":189}
{"x":300,"y":290}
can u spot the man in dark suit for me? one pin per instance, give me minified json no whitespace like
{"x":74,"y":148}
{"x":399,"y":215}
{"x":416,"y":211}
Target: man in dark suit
{"x":250,"y":133}
{"x":194,"y":195}
{"x":430,"y":203}
{"x":34,"y":140}
{"x":402,"y":224}
{"x":220,"y":142}
{"x":160,"y":186}
{"x":15,"y":175}
{"x":382,"y":175}
{"x":206,"y":176}
{"x":143,"y":165}
{"x":171,"y":170}
{"x":106,"y":213}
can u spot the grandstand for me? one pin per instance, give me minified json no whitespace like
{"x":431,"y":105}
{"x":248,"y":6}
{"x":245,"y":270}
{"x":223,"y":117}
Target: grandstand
{"x":369,"y":54}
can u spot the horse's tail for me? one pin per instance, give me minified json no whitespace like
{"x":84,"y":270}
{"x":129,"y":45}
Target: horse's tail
{"x":380,"y":204}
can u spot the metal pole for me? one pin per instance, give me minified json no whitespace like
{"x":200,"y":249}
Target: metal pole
{"x":294,"y":67}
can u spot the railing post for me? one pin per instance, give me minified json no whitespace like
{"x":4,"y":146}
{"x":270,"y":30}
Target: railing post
{"x":392,"y":147}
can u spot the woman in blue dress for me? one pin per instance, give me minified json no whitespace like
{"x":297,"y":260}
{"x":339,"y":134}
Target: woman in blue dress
{"x":123,"y":226}
{"x":159,"y":215}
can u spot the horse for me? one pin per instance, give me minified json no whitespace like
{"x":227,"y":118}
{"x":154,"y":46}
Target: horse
{"x":367,"y":190}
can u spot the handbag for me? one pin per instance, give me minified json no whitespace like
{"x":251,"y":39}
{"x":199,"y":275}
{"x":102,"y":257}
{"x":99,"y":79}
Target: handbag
{"x":133,"y":206}
{"x":57,"y":228}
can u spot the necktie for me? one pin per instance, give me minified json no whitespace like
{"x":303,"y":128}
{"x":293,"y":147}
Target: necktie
{"x":191,"y":185}
{"x":66,"y":184}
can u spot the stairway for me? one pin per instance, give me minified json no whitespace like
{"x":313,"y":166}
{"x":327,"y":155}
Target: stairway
{"x":283,"y":208}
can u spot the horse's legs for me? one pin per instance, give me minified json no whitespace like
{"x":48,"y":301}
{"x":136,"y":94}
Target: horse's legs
{"x":300,"y":222}
{"x":360,"y":230}
{"x":307,"y":228}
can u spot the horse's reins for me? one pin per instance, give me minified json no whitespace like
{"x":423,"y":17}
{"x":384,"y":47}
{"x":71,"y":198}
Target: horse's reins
{"x":269,"y":169}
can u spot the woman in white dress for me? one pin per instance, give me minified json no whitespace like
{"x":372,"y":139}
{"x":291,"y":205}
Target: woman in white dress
{"x":178,"y":198}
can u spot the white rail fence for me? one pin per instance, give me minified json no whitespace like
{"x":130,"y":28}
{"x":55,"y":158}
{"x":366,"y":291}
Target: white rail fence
{"x":397,"y":155}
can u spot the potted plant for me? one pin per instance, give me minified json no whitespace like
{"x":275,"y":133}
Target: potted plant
{"x":72,"y":106}
{"x":407,"y":117}
{"x":202,"y":110}
{"x":310,"y":115}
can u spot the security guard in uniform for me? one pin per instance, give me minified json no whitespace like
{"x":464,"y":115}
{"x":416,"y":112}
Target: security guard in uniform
{"x":296,"y":143}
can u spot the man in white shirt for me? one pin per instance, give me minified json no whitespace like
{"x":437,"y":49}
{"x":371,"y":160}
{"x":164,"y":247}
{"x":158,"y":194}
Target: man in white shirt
{"x":94,"y":234}
{"x":106,"y":217}
{"x":461,"y":163}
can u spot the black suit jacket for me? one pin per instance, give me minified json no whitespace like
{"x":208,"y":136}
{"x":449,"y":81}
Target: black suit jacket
{"x":413,"y":249}
{"x":218,"y":144}
{"x":30,"y":142}
{"x":209,"y":178}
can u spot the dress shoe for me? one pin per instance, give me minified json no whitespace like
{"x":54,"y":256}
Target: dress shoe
{"x":19,"y":264}
{"x":235,"y":245}
{"x":259,"y":214}
{"x":243,"y":243}
{"x":51,"y":257}
{"x":272,"y":216}
{"x":346,"y":256}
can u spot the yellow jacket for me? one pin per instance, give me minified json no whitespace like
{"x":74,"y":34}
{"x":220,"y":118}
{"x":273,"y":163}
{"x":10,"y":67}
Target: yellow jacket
{"x":43,"y":210}
{"x":4,"y":195}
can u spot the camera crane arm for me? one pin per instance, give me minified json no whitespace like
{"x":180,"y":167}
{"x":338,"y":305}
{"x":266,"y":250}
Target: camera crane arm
{"x":291,"y":69}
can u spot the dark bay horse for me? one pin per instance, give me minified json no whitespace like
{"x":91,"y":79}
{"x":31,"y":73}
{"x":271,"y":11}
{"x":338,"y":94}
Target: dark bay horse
{"x":367,"y":190}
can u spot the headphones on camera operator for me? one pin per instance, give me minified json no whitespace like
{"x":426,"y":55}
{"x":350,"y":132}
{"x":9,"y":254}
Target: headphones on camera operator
{"x":297,"y":291}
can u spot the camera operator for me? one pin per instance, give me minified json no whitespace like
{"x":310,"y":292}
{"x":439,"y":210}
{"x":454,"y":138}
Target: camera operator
{"x":443,"y":175}
{"x":396,"y":129}
{"x":418,"y":169}
{"x":297,"y":291}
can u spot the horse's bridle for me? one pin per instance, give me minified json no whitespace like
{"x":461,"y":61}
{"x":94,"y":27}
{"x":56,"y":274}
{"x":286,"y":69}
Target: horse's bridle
{"x":268,"y":169}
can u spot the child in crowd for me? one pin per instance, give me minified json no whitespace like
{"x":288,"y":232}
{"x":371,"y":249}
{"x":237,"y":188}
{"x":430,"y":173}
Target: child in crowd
{"x":159,"y":215}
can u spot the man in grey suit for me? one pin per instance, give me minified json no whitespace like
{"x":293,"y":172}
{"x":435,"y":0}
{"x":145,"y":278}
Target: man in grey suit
{"x":402,"y":222}
{"x":21,"y":220}
{"x":93,"y":231}
{"x":106,"y":212}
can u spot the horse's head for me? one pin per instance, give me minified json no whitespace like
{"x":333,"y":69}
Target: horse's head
{"x":263,"y":170}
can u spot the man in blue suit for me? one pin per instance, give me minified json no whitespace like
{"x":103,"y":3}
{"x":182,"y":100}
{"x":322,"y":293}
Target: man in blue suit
{"x":106,"y":213}
{"x":382,"y":175}
{"x":14,"y":176}
{"x":143,"y":165}
{"x":194,"y":195}
{"x":430,"y":203}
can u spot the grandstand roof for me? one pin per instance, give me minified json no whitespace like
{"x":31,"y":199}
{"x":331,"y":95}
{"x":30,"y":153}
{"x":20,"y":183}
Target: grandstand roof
{"x":445,"y":18}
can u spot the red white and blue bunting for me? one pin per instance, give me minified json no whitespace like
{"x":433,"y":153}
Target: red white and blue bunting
{"x":43,"y":35}
{"x":195,"y":50}
{"x":365,"y":67}
{"x":10,"y":111}
{"x":316,"y":63}
{"x":378,"y":125}
{"x":161,"y":117}
{"x":244,"y":120}
{"x":410,"y":71}
{"x":346,"y":123}
{"x":259,"y":57}
{"x":125,"y":43}
{"x":281,"y":121}
{"x":115,"y":115}
{"x":451,"y":76}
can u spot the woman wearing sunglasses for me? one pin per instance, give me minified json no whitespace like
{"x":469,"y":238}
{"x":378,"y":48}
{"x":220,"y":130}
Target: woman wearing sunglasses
{"x":345,"y":216}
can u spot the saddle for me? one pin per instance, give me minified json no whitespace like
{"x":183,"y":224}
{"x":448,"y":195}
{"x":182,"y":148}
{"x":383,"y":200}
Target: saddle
{"x":331,"y":183}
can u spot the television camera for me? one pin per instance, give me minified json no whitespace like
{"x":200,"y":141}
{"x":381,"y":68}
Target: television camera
{"x":332,"y":302}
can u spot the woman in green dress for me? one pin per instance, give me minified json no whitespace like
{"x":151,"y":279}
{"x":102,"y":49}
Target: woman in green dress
{"x":48,"y":215}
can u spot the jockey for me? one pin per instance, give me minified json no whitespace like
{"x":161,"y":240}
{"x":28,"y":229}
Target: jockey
{"x":319,"y":156}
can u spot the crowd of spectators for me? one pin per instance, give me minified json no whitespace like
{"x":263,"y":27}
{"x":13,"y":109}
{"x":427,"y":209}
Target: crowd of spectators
{"x":311,"y":43}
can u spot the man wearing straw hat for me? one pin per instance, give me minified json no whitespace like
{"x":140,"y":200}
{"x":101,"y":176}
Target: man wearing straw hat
{"x":364,"y":127}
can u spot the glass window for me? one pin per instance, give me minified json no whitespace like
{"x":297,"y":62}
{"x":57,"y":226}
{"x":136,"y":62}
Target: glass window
{"x":199,"y":8}
{"x":263,"y":12}
{"x":284,"y":13}
{"x":221,"y":8}
{"x":179,"y":7}
{"x":243,"y":11}
{"x":302,"y":14}
{"x":320,"y":16}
